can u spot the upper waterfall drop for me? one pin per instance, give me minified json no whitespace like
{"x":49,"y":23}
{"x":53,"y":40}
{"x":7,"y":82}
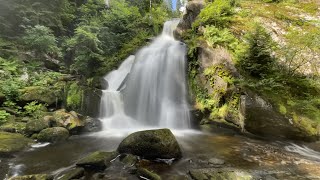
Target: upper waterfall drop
{"x":154,"y":93}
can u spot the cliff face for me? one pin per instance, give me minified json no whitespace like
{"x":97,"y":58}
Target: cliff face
{"x":216,"y":92}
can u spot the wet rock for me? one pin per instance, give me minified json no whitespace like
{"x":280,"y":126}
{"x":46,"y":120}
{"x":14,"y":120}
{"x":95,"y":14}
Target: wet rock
{"x":216,"y":161}
{"x":143,"y":173}
{"x":54,"y":134}
{"x":33,"y":177}
{"x":213,"y":173}
{"x":11,"y":142}
{"x":72,"y":174}
{"x":151,"y":144}
{"x":36,"y":125}
{"x":50,"y":120}
{"x":92,"y":125}
{"x":128,"y":159}
{"x":98,"y":160}
{"x":70,"y":120}
{"x":13,"y":127}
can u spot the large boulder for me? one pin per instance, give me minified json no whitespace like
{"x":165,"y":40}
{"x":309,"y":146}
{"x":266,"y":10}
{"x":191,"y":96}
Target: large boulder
{"x":151,"y":144}
{"x":261,"y":118}
{"x":36,"y":125}
{"x":193,"y":9}
{"x":70,"y":120}
{"x":40,"y":94}
{"x":91,"y":124}
{"x":12,"y":142}
{"x":97,"y":160}
{"x":54,"y":134}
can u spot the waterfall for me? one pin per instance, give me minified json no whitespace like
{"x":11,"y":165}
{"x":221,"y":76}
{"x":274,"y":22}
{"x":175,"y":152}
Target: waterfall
{"x":149,"y":89}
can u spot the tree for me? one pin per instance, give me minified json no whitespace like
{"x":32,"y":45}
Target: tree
{"x":257,"y":60}
{"x":41,"y":40}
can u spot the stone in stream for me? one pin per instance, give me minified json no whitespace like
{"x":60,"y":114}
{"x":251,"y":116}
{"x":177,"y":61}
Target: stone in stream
{"x":216,"y":173}
{"x":36,"y":125}
{"x":128,"y":159}
{"x":143,"y":173}
{"x":33,"y":177}
{"x":54,"y":134}
{"x":98,"y":160}
{"x":11,"y":142}
{"x":70,"y":120}
{"x":151,"y":144}
{"x":72,"y":174}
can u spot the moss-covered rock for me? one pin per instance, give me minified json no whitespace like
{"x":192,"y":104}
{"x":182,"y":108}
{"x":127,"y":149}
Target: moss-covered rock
{"x":97,"y":160}
{"x":54,"y":134}
{"x":72,"y":174}
{"x":33,"y":177}
{"x":70,"y":120}
{"x":128,"y":159}
{"x":13,"y":127}
{"x":212,"y":173}
{"x":261,"y":118}
{"x":11,"y":142}
{"x":36,"y":125}
{"x":151,"y":144}
{"x":40,"y":94}
{"x":145,"y":173}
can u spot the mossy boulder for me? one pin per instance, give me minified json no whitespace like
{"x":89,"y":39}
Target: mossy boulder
{"x":36,"y":125}
{"x":54,"y":134}
{"x":33,"y":177}
{"x":151,"y":144}
{"x":38,"y":93}
{"x":72,"y":174}
{"x":97,"y":160}
{"x":12,"y":142}
{"x":70,"y":120}
{"x":261,"y":118}
{"x":13,"y":127}
{"x":91,"y":124}
{"x":146,"y":174}
{"x":213,"y":173}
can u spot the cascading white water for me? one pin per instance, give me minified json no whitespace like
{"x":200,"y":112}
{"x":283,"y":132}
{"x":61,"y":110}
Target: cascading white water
{"x":155,"y":93}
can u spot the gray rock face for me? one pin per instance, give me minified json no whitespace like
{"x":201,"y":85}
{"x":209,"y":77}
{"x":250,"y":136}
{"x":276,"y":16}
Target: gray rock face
{"x":54,"y":134}
{"x":262,"y":119}
{"x":91,"y":125}
{"x":192,"y":11}
{"x":151,"y":144}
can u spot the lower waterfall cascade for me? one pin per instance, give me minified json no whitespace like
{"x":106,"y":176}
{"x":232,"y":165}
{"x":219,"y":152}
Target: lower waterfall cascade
{"x":150,"y":88}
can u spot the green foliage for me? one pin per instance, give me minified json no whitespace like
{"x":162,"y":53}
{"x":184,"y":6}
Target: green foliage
{"x":74,"y":96}
{"x":220,"y":37}
{"x":41,"y":40}
{"x":217,"y":13}
{"x":34,"y":109}
{"x":3,"y":117}
{"x":257,"y":61}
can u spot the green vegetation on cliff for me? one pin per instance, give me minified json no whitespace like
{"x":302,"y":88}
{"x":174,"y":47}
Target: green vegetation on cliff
{"x":270,"y":48}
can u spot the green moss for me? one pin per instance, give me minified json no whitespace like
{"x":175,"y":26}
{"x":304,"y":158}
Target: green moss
{"x":282,"y":109}
{"x":37,"y":93}
{"x":18,"y":127}
{"x":11,"y":142}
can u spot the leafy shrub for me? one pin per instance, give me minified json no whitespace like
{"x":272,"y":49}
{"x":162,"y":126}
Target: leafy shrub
{"x":220,"y":37}
{"x":216,"y":13}
{"x":74,"y":98}
{"x":3,"y":116}
{"x":34,"y":109}
{"x":41,"y":40}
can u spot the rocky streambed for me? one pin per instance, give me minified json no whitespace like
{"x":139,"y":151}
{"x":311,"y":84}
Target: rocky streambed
{"x":214,"y":154}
